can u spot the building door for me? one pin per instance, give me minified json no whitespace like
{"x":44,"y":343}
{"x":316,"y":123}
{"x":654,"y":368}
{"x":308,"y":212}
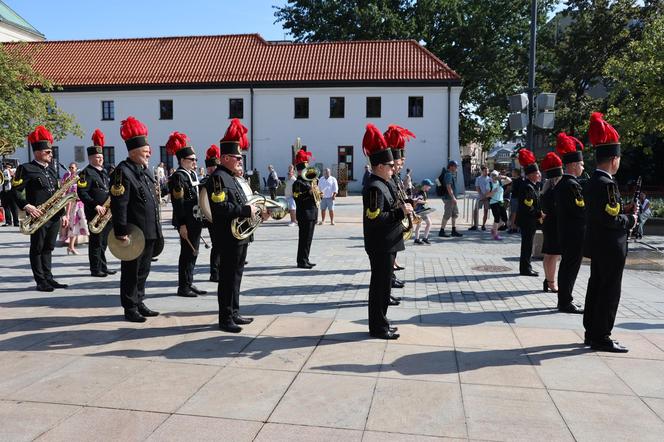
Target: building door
{"x":165,"y":158}
{"x":346,"y":157}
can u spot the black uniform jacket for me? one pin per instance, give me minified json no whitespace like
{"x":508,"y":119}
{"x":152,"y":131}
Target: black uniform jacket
{"x":134,"y":200}
{"x":227,"y":202}
{"x":382,"y":217}
{"x":570,"y":210}
{"x":34,"y":184}
{"x":184,"y":196}
{"x":304,"y":201}
{"x":606,"y":224}
{"x":530,"y":209}
{"x":92,"y":189}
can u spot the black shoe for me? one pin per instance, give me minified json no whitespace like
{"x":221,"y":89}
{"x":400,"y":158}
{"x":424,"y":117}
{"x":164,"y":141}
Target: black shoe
{"x":187,"y":294}
{"x":442,"y":234}
{"x":132,"y":315}
{"x":396,"y":298}
{"x":397,"y":267}
{"x":529,"y":273}
{"x":426,"y":241}
{"x":57,"y":285}
{"x":546,"y":287}
{"x":393,"y":329}
{"x":457,"y":234}
{"x":484,"y":228}
{"x":571,"y":308}
{"x":238,"y":319}
{"x":610,"y":346}
{"x":392,"y":302}
{"x":312,"y":264}
{"x":99,"y":274}
{"x":230,"y":326}
{"x":305,"y":266}
{"x":196,"y":290}
{"x":110,"y":272}
{"x":45,"y":287}
{"x":385,"y":335}
{"x":154,"y":259}
{"x":502,"y":228}
{"x":473,"y":228}
{"x":397,"y":284}
{"x":418,"y":241}
{"x":145,"y":311}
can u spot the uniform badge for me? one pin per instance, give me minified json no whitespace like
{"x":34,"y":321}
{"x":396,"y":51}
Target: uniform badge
{"x":579,"y":202}
{"x":82,"y":183}
{"x":528,"y":202}
{"x":372,"y":214}
{"x":178,"y":194}
{"x":218,"y":197}
{"x":117,"y":190}
{"x":612,"y":210}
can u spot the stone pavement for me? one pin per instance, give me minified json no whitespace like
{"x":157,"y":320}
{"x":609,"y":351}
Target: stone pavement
{"x":483,"y":355}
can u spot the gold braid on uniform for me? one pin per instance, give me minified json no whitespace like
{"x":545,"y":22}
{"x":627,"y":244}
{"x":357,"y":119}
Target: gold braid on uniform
{"x":82,"y":183}
{"x":118,"y":189}
{"x":373,"y":210}
{"x":613,"y":206}
{"x":218,"y":196}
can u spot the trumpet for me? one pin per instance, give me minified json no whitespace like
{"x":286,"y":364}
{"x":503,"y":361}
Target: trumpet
{"x":98,"y":223}
{"x":243,"y":228}
{"x":50,"y":207}
{"x":311,"y":174}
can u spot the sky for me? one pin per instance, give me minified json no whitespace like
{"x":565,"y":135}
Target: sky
{"x":94,"y":19}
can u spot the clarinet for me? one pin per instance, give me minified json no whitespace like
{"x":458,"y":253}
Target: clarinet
{"x":637,"y":206}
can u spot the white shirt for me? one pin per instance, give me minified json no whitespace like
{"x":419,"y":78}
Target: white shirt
{"x":161,"y":174}
{"x":328,"y":186}
{"x":483,"y":183}
{"x":288,"y":191}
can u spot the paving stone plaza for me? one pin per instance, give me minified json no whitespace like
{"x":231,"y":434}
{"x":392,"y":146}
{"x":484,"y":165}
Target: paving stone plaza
{"x":483,"y":354}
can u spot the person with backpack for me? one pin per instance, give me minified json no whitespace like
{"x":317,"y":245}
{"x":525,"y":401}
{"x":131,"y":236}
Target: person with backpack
{"x":448,"y":181}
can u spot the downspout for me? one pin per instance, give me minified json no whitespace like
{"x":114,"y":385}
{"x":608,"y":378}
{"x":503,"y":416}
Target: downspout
{"x":449,"y":120}
{"x":251,"y":125}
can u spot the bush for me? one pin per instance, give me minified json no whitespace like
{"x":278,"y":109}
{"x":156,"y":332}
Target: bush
{"x":657,"y":208}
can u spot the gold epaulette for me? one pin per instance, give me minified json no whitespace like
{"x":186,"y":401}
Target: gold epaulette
{"x":612,"y":210}
{"x":218,"y":197}
{"x":528,"y":202}
{"x":372,"y":214}
{"x":579,"y":202}
{"x":178,"y":194}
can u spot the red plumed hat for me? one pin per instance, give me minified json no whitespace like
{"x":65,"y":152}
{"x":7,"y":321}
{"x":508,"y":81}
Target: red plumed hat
{"x":396,"y":136}
{"x":375,"y":147}
{"x":569,"y":148}
{"x":178,"y":145}
{"x":40,"y":138}
{"x":552,"y":165}
{"x":98,"y":140}
{"x":212,"y":156}
{"x":603,"y":137}
{"x":134,"y":133}
{"x":235,"y":139}
{"x":528,"y":161}
{"x":302,"y":157}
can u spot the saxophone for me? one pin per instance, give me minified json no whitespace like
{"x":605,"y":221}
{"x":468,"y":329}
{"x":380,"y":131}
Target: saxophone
{"x":50,"y":207}
{"x":99,"y":222}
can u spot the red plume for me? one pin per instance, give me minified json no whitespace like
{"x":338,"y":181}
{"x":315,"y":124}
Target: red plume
{"x":176,"y":141}
{"x":373,"y":140}
{"x":302,"y":156}
{"x":567,"y":144}
{"x":40,"y":134}
{"x":396,"y":136}
{"x":237,"y":132}
{"x":212,"y":152}
{"x":98,"y":138}
{"x":526,"y":157}
{"x":601,"y":132}
{"x":131,"y":128}
{"x":551,"y":161}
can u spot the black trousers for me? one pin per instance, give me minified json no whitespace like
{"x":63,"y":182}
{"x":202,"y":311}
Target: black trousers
{"x":214,"y":255}
{"x":42,"y":243}
{"x":570,"y":263}
{"x":603,"y":294}
{"x":11,"y":210}
{"x":380,"y":288}
{"x":133,"y":277}
{"x":187,"y":261}
{"x":97,"y":249}
{"x":231,"y":269}
{"x":305,"y":236}
{"x":527,"y":235}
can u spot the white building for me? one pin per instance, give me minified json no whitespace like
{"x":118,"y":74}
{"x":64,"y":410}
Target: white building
{"x":324,"y":93}
{"x":13,"y":27}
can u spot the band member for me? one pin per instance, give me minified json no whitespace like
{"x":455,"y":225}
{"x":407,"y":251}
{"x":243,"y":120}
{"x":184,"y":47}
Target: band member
{"x":134,"y":201}
{"x":33,"y":184}
{"x":211,"y":163}
{"x":228,"y":202}
{"x":553,"y":170}
{"x":93,"y":187}
{"x":383,"y":233}
{"x":183,"y":187}
{"x":606,"y":238}
{"x":307,"y":209}
{"x":571,"y":215}
{"x":530,"y":212}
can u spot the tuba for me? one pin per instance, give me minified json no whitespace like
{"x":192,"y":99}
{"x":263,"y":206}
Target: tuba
{"x":98,"y":223}
{"x":311,"y":174}
{"x":243,"y":228}
{"x":50,"y":207}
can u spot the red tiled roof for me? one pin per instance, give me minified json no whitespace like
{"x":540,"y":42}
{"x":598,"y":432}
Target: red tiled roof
{"x":231,"y":59}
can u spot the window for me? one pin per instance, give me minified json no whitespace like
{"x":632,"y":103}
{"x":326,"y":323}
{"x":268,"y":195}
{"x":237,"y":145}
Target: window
{"x":336,"y":107}
{"x":79,"y":154}
{"x":107,"y":110}
{"x":165,"y":158}
{"x":301,"y":107}
{"x":415,"y":107}
{"x":346,"y":157}
{"x":109,"y":156}
{"x":373,"y":107}
{"x":235,"y":108}
{"x":165,"y":109}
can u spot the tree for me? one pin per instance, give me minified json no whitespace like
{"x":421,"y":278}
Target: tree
{"x":25,"y":101}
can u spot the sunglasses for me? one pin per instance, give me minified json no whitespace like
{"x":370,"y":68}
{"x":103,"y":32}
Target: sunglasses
{"x":192,"y":159}
{"x":47,"y":152}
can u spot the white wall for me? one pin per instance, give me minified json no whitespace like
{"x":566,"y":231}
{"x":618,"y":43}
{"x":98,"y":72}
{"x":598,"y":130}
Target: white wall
{"x":203,"y":115}
{"x":11,"y":33}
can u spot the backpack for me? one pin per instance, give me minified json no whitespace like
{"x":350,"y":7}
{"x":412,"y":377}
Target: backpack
{"x":441,"y":188}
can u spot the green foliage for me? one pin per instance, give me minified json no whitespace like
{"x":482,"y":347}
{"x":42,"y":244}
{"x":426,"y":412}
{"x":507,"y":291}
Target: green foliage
{"x":23,"y":104}
{"x":657,"y":208}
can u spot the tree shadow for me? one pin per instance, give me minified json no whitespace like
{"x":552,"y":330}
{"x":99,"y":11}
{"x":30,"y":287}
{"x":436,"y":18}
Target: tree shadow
{"x":640,"y":326}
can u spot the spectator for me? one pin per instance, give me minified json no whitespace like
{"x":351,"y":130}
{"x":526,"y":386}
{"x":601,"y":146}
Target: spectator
{"x":645,"y":212}
{"x":161,"y":174}
{"x":367,"y":174}
{"x":78,"y":224}
{"x":482,"y":187}
{"x":408,"y":182}
{"x":517,"y":180}
{"x":7,"y":197}
{"x":420,"y":199}
{"x":288,"y":193}
{"x":272,"y":181}
{"x":496,"y":203}
{"x":449,"y":183}
{"x":329,"y":186}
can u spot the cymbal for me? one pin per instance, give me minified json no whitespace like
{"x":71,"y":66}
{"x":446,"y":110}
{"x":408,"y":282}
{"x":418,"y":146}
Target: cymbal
{"x":127,"y":250}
